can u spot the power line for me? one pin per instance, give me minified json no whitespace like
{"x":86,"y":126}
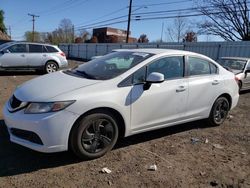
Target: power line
{"x":159,"y":4}
{"x":106,"y":15}
{"x":154,"y":18}
{"x":101,"y":22}
{"x":68,"y":7}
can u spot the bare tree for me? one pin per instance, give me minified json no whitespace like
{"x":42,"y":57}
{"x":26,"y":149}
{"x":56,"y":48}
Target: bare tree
{"x":190,"y":36}
{"x":177,"y":30}
{"x":228,"y":19}
{"x":66,"y":30}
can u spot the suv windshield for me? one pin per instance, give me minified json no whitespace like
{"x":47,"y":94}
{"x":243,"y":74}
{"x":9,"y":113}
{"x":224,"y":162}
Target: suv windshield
{"x":233,"y":64}
{"x":111,"y":65}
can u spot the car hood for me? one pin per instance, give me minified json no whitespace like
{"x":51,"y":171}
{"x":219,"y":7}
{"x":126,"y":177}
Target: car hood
{"x":236,"y":71}
{"x":43,"y":88}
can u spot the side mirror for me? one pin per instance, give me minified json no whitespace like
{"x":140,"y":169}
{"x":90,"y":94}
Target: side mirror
{"x":247,"y":70}
{"x":1,"y":52}
{"x":153,"y":78}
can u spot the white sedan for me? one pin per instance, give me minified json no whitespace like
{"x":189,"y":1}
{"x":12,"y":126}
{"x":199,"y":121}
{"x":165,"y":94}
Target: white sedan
{"x":123,"y":93}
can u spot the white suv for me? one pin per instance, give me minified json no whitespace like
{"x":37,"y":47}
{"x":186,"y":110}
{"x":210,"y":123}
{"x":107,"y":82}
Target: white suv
{"x":23,"y":56}
{"x":120,"y":94}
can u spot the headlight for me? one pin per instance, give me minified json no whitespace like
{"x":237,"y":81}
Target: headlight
{"x":44,"y":107}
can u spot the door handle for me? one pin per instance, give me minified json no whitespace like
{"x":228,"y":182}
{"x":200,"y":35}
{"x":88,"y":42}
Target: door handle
{"x":180,"y":89}
{"x":215,"y":82}
{"x":44,"y":55}
{"x":23,"y":55}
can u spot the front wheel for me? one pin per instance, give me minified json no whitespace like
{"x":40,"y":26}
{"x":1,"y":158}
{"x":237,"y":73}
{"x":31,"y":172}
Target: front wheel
{"x":219,"y":111}
{"x":94,"y":135}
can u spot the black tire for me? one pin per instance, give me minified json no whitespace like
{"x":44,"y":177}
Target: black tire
{"x":51,"y":67}
{"x":100,"y":131}
{"x":240,"y":85}
{"x":219,"y":112}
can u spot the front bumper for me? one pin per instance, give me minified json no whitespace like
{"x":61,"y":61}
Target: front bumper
{"x":52,"y":128}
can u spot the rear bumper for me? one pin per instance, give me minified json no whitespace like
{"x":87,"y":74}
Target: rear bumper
{"x":63,"y":64}
{"x":235,"y":100}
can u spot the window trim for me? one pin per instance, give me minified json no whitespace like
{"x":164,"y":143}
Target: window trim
{"x":199,"y":75}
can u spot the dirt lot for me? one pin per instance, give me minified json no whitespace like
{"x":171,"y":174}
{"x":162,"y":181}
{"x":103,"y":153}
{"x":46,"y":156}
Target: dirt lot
{"x":180,"y":161}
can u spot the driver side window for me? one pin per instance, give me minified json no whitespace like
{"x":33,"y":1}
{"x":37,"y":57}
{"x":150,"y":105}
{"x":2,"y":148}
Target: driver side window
{"x":170,"y":67}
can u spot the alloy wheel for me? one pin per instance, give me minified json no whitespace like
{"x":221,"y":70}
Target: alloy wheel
{"x":221,"y":111}
{"x":98,"y":135}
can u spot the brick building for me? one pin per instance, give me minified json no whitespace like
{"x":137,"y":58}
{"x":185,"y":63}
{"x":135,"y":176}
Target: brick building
{"x":111,"y":35}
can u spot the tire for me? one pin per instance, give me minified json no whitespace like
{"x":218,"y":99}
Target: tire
{"x":94,"y":135}
{"x":219,"y":112}
{"x":51,"y":67}
{"x":240,"y":85}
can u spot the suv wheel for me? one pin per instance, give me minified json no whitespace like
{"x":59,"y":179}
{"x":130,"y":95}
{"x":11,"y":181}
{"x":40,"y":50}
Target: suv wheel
{"x":94,"y":135}
{"x":51,"y":67}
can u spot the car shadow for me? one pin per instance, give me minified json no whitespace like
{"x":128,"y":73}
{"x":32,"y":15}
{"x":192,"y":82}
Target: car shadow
{"x":244,"y":92}
{"x":15,"y":159}
{"x":20,"y":73}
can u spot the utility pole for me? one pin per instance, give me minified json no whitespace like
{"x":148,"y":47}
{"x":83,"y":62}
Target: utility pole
{"x":129,"y":18}
{"x":73,"y":33}
{"x":33,"y":26}
{"x":10,"y":32}
{"x":162,"y":28}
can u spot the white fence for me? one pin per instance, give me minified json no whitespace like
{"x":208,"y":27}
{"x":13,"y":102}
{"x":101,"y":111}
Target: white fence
{"x":211,"y":49}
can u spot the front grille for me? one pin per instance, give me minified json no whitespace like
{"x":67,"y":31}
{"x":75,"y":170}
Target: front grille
{"x":14,"y":102}
{"x":27,"y":135}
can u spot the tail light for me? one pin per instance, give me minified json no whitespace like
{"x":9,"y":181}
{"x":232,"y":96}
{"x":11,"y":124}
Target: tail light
{"x":62,"y":54}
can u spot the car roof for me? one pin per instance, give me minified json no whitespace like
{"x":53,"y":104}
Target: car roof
{"x":23,"y":42}
{"x":236,"y":58}
{"x":160,"y":51}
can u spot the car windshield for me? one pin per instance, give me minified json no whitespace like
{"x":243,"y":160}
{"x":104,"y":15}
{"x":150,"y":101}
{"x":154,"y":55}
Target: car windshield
{"x":233,"y":64}
{"x":111,"y":65}
{"x":4,"y":45}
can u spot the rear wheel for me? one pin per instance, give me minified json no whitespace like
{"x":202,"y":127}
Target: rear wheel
{"x":51,"y":67}
{"x":94,"y":135}
{"x":219,"y":111}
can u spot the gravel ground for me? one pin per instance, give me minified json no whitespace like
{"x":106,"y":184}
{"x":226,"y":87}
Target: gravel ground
{"x":187,"y":155}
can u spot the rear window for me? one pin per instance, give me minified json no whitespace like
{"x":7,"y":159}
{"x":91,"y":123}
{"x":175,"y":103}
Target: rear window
{"x":51,"y":49}
{"x":34,"y":48}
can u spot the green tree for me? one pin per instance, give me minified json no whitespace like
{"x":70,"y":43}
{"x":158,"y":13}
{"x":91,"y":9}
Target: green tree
{"x":28,"y":36}
{"x":2,"y":26}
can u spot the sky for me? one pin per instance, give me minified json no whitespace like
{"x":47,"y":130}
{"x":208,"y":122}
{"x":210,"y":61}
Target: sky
{"x":85,"y":12}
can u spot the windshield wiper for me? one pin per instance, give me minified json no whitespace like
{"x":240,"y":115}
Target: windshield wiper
{"x":86,"y":75}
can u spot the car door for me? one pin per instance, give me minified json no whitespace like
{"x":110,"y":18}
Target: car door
{"x":246,"y":80}
{"x":14,"y":56}
{"x":37,"y":55}
{"x":162,"y":103}
{"x":204,"y":84}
